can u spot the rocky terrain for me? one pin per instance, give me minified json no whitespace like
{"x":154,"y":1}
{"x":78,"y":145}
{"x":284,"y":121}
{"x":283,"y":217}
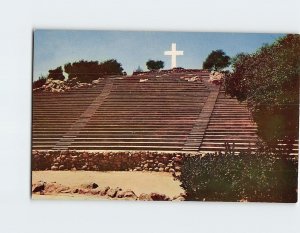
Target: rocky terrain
{"x":106,"y":185}
{"x":107,"y":161}
{"x":44,"y":188}
{"x":62,"y":86}
{"x":216,"y":77}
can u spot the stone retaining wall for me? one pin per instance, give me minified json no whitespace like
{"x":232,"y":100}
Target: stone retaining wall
{"x":107,"y":161}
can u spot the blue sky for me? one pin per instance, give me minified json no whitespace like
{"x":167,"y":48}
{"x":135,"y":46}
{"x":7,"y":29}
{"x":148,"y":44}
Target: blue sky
{"x":53,"y":48}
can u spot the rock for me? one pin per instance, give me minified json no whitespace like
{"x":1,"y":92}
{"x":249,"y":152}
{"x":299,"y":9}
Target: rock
{"x":161,"y":169}
{"x":38,"y":187}
{"x":83,"y":191}
{"x":150,"y":162}
{"x":180,"y":197}
{"x":54,"y":168}
{"x":52,"y":187}
{"x":170,"y":165}
{"x":120,"y":194}
{"x":171,"y":170}
{"x":167,"y":169}
{"x":159,"y":197}
{"x":75,"y":190}
{"x":96,"y":191}
{"x":178,"y":160}
{"x":66,"y":191}
{"x":61,"y":167}
{"x":128,"y":194}
{"x":113,"y":192}
{"x":156,"y":169}
{"x":144,"y":197}
{"x":143,"y":80}
{"x":177,"y":174}
{"x":103,"y":191}
{"x":91,"y":185}
{"x":161,"y":165}
{"x":177,"y":168}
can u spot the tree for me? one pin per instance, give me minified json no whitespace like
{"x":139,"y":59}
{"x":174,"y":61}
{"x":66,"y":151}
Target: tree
{"x":40,"y":82}
{"x":87,"y":71}
{"x":216,"y":60}
{"x":269,"y":81}
{"x":56,"y":74}
{"x":110,"y":67}
{"x":154,"y":65}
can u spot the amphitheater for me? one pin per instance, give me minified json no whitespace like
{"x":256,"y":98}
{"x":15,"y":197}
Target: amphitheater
{"x":163,"y":112}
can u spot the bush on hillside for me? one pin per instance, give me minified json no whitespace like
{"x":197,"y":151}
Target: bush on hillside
{"x":111,"y":67}
{"x":259,"y":177}
{"x":87,"y":71}
{"x":56,"y":74}
{"x":39,"y":83}
{"x":269,"y":81}
{"x":154,"y":65}
{"x":216,"y":60}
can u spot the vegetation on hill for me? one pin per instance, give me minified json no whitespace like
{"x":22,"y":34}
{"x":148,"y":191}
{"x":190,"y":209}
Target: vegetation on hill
{"x":154,"y":65}
{"x":265,"y":176}
{"x":216,"y":60}
{"x":83,"y":71}
{"x":40,"y":82}
{"x":87,"y":71}
{"x":56,"y":74}
{"x":269,"y":81}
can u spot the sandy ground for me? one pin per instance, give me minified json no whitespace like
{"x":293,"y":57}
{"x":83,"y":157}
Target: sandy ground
{"x":68,"y":197}
{"x":139,"y":182}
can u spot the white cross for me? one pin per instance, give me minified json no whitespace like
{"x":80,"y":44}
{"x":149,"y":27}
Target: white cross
{"x":173,"y":53}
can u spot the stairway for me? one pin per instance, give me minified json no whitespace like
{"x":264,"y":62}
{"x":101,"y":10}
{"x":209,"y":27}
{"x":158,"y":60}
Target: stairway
{"x":136,"y":113}
{"x":230,"y":122}
{"x":54,"y":113}
{"x":166,"y":112}
{"x":156,"y":114}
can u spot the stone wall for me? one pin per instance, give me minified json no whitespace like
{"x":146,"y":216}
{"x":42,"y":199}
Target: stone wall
{"x":107,"y":161}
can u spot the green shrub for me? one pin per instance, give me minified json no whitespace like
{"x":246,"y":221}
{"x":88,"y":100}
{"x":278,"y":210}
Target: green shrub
{"x":259,"y":177}
{"x":269,"y":81}
{"x":56,"y":74}
{"x":87,"y":71}
{"x":217,"y":60}
{"x":154,"y":65}
{"x":39,"y":83}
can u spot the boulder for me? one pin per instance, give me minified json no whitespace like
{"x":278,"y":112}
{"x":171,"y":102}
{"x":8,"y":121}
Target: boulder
{"x":91,"y":185}
{"x":159,"y":197}
{"x":96,"y":191}
{"x":130,"y":194}
{"x":127,"y":194}
{"x":179,"y":198}
{"x":54,"y":168}
{"x":103,"y":191}
{"x":38,"y":187}
{"x":54,"y":188}
{"x":113,"y":192}
{"x":144,"y":197}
